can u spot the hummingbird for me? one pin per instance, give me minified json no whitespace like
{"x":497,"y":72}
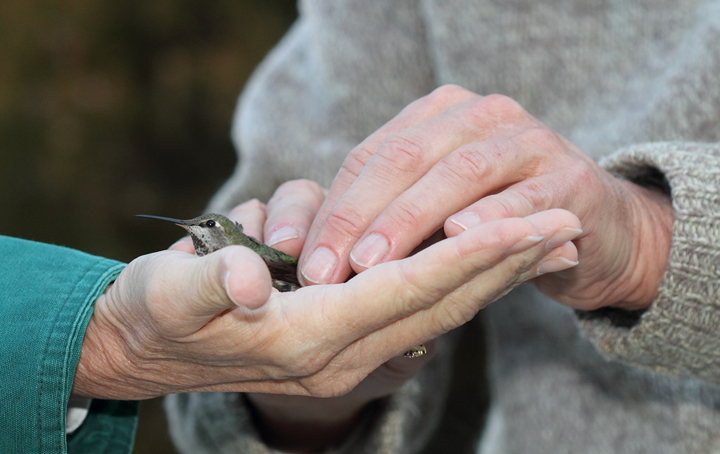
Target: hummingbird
{"x":211,"y":232}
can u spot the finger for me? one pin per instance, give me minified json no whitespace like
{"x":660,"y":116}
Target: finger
{"x":422,"y":110}
{"x":419,"y":111}
{"x":251,"y":215}
{"x":459,"y":179}
{"x":290,"y":212}
{"x":560,"y":259}
{"x":181,"y":293}
{"x":557,"y":227}
{"x":399,"y":162}
{"x":392,"y":374}
{"x":394,"y":290}
{"x":189,"y":291}
{"x":184,"y":244}
{"x":463,"y":303}
{"x":458,"y":306}
{"x":550,"y":190}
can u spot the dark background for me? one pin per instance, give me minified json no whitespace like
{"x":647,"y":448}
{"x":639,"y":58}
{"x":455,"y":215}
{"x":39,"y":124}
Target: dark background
{"x":111,"y":109}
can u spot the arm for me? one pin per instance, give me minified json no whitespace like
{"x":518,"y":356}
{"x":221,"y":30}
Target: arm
{"x":305,"y":424}
{"x":172,"y":322}
{"x":677,"y":333}
{"x":47,"y":300}
{"x":403,"y":182}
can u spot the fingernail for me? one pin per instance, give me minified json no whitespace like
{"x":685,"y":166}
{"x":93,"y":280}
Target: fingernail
{"x":226,"y":286}
{"x":525,"y":243}
{"x":370,"y":250}
{"x":562,"y":237}
{"x":319,"y":267}
{"x":466,"y":220}
{"x":555,"y":264}
{"x":285,"y":233}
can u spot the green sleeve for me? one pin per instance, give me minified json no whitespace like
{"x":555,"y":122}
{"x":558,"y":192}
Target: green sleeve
{"x":47,"y":295}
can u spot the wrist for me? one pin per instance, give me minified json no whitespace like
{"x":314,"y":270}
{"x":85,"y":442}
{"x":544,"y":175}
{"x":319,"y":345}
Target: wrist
{"x":103,"y":370}
{"x":653,"y":214}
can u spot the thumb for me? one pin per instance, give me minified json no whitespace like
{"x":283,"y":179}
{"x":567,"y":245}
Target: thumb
{"x":232,"y":277}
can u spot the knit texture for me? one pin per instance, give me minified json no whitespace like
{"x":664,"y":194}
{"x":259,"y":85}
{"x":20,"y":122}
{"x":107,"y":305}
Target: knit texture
{"x":678,"y":334}
{"x":607,"y":75}
{"x":210,"y":422}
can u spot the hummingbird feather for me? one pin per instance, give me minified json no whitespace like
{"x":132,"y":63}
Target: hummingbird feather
{"x":211,"y":232}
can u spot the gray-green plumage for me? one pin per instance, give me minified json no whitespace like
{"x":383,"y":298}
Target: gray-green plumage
{"x":211,"y":232}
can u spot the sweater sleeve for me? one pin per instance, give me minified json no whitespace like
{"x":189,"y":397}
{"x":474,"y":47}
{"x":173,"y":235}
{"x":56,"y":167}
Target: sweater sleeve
{"x":680,"y":332}
{"x":47,"y":295}
{"x":406,"y":422}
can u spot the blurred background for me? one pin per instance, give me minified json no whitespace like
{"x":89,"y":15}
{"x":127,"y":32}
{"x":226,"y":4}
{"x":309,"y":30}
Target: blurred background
{"x":111,"y":109}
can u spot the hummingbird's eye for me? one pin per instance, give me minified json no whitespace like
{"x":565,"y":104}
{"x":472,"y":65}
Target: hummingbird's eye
{"x":210,"y":223}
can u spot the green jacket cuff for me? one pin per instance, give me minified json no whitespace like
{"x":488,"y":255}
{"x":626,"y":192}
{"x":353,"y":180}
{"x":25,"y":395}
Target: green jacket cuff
{"x":47,"y":298}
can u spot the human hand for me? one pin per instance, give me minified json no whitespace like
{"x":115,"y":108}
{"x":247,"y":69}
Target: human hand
{"x":173,"y":322}
{"x":455,"y":160}
{"x":300,"y":422}
{"x":291,"y":422}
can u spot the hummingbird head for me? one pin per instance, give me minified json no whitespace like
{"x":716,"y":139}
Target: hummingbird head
{"x":209,"y":232}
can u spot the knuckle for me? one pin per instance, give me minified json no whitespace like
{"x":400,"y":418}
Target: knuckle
{"x":306,"y":190}
{"x":401,"y":153}
{"x":411,"y":296}
{"x":540,"y":136}
{"x":500,"y":206}
{"x":492,"y":112}
{"x":300,"y":356}
{"x":466,"y":163}
{"x":454,"y":315}
{"x":356,"y":160}
{"x":345,"y":221}
{"x":251,"y":207}
{"x":538,"y":194}
{"x":445,"y":98}
{"x":506,"y":109}
{"x":448,"y":94}
{"x":501,"y":103}
{"x":298,"y":185}
{"x":583,"y":171}
{"x":252,"y":204}
{"x":406,"y":213}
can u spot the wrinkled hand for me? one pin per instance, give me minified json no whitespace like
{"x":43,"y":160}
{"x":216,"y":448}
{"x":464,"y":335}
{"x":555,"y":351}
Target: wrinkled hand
{"x":300,"y":422}
{"x":456,"y":160}
{"x":174,"y":322}
{"x":306,"y":423}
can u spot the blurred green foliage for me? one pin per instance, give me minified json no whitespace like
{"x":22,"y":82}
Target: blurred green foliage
{"x":111,"y":109}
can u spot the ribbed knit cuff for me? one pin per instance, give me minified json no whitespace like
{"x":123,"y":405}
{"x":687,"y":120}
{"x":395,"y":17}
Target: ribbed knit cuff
{"x":680,"y":332}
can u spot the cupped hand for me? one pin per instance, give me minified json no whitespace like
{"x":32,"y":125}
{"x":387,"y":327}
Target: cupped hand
{"x":456,"y":160}
{"x":292,"y":422}
{"x":300,"y":422}
{"x":174,"y":322}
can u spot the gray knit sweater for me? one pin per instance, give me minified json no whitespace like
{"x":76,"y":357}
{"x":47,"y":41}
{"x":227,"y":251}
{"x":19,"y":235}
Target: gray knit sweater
{"x":636,"y":85}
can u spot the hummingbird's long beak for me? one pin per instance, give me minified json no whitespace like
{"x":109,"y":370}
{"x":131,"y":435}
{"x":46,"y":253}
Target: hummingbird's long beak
{"x":173,"y":220}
